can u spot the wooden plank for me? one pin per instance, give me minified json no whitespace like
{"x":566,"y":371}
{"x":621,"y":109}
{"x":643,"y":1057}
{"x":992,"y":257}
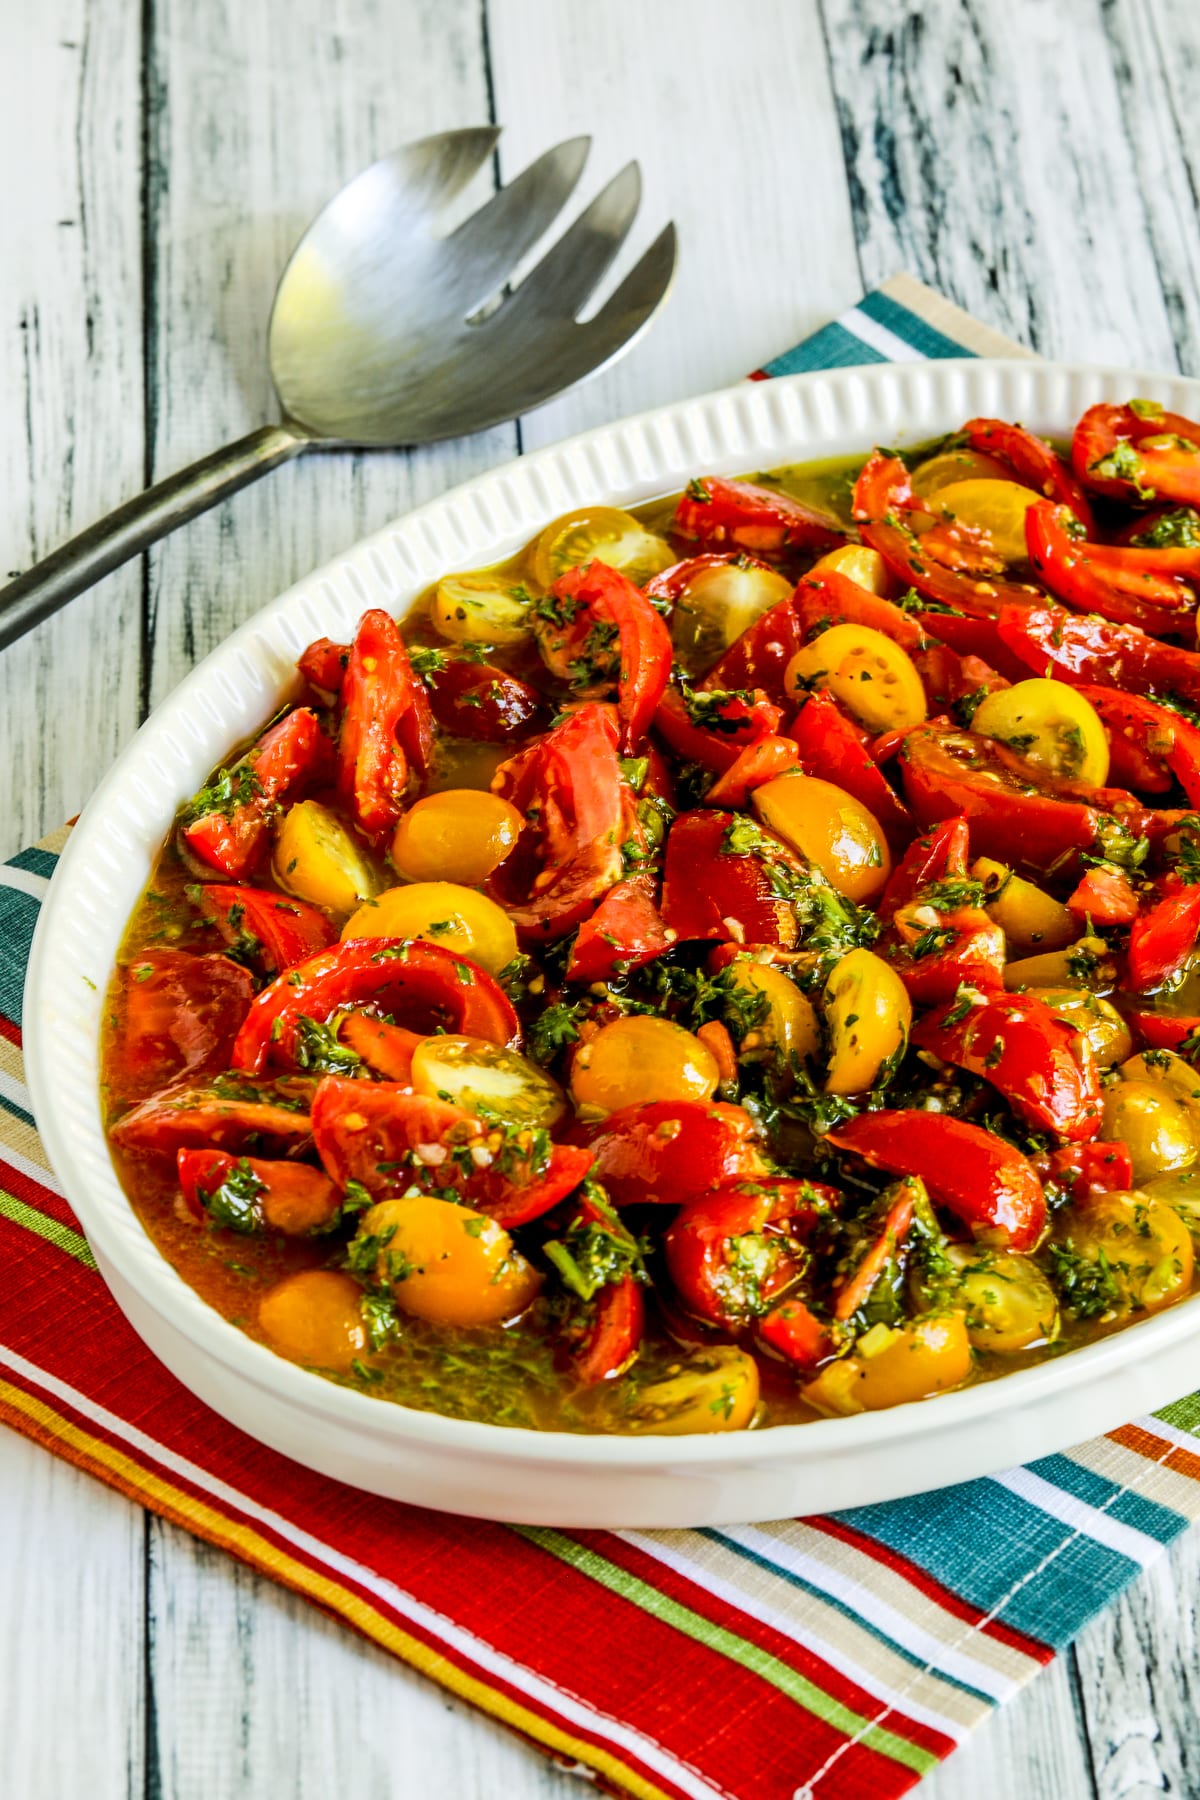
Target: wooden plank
{"x":728,"y":141}
{"x":71,"y":1592}
{"x":988,"y":153}
{"x":256,"y":121}
{"x":1033,"y":1746}
{"x":70,"y":388}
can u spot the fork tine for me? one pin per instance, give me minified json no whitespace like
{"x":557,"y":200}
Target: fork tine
{"x":569,"y":271}
{"x":487,"y":247}
{"x":627,"y":312}
{"x":434,"y":169}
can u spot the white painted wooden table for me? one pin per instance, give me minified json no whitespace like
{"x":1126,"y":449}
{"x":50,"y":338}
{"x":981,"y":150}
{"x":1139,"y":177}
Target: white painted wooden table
{"x":1035,"y":159}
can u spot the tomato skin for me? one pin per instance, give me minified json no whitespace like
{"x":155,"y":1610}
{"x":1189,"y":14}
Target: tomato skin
{"x":186,"y":1116}
{"x":1082,"y":652}
{"x":834,"y":748}
{"x":384,"y":1047}
{"x":941,"y":851}
{"x":358,"y":1125}
{"x":287,"y":930}
{"x":625,"y":931}
{"x":1158,"y":733}
{"x":1118,"y":584}
{"x":882,"y":495}
{"x":568,"y":783}
{"x":1163,"y":937}
{"x":1016,"y":1042}
{"x":757,"y":764}
{"x":759,"y":658}
{"x":795,"y":1333}
{"x":664,"y":1151}
{"x":834,"y":599}
{"x":982,"y":1180}
{"x":386,"y":725}
{"x":1161,"y":1031}
{"x":392,"y":972}
{"x":704,"y":888}
{"x":948,"y":677}
{"x":696,"y":1243}
{"x":179,"y":1018}
{"x":894,"y":1227}
{"x":596,"y":594}
{"x":1164,"y":472}
{"x":975,"y":957}
{"x":322,"y":665}
{"x":1033,"y":462}
{"x":744,"y":723}
{"x":753,"y":518}
{"x":1106,"y":897}
{"x":291,"y":750}
{"x":295,"y":1198}
{"x":481,"y":701}
{"x":614,"y":1334}
{"x":1085,"y":1169}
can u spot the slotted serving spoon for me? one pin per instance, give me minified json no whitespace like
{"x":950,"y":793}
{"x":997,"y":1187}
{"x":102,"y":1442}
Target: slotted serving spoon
{"x":382,"y":334}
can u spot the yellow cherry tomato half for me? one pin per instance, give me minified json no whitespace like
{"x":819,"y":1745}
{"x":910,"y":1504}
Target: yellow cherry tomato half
{"x":1009,"y":1303}
{"x":784,"y":1028}
{"x":892,"y":1366}
{"x":315,"y":1317}
{"x":1030,"y":919}
{"x":481,"y":1076}
{"x":1095,"y":1019}
{"x":995,"y":507}
{"x":317,"y":859}
{"x":1160,"y":1131}
{"x":1052,"y":725}
{"x":1142,"y":1246}
{"x":458,"y":918}
{"x":1181,"y":1192}
{"x":447,"y":1263}
{"x":711,"y":1389}
{"x":642,"y":1058}
{"x":859,"y":564}
{"x":830,"y":829}
{"x":868,"y":1013}
{"x":953,"y":466}
{"x":487,"y":608}
{"x":718,"y":604}
{"x":1162,"y":1068}
{"x":458,"y":835}
{"x":599,"y":533}
{"x":1087,"y":964}
{"x":872,"y":677}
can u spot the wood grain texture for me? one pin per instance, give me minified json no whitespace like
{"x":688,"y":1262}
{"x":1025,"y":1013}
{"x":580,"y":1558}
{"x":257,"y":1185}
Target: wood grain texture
{"x":70,"y":387}
{"x":1036,"y":159}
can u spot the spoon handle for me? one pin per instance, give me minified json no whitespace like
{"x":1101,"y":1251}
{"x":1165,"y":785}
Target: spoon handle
{"x":41,"y":590}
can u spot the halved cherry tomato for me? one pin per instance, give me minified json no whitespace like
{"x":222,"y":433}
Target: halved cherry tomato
{"x":1033,"y":461}
{"x":482,"y":701}
{"x":322,"y":665}
{"x":390,"y":1139}
{"x":935,"y":953}
{"x":231,"y":834}
{"x":1159,"y":733}
{"x":177,"y":1014}
{"x":1105,"y":896}
{"x":416,"y":978}
{"x":315,"y":1317}
{"x":716,"y":512}
{"x":713,"y":891}
{"x":455,"y":918}
{"x":731,"y":1251}
{"x":1138,"y":452}
{"x":568,"y":786}
{"x":386,"y":726}
{"x":596,"y":629}
{"x":759,"y":658}
{"x":248,"y":1194}
{"x":1164,"y":936}
{"x":982,"y":1180}
{"x":835,"y":748}
{"x":866,"y":672}
{"x":228,"y":1113}
{"x":641,"y":1059}
{"x":605,"y":1341}
{"x":603,"y":533}
{"x":714,"y":600}
{"x":667,"y":1150}
{"x":712,"y":727}
{"x":625,"y":931}
{"x":1042,"y":1066}
{"x":1086,"y":652}
{"x":884,"y":504}
{"x":757,"y":764}
{"x":830,"y":830}
{"x":940,"y":852}
{"x":1119,"y":584}
{"x":446,"y":1262}
{"x":272,"y":931}
{"x":888,"y":1225}
{"x":1051,"y":725}
{"x":794,"y":1332}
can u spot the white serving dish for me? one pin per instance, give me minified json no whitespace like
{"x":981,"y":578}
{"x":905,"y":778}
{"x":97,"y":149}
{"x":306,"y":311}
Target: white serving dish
{"x":483,"y":1470}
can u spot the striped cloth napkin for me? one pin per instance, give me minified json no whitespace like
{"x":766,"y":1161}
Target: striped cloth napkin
{"x":812,"y":1659}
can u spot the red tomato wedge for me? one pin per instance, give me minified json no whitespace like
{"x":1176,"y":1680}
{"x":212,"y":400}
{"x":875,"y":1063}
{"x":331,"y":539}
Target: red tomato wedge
{"x":1138,"y":452}
{"x":983,"y":1181}
{"x":713,"y":727}
{"x":270,"y":929}
{"x":668,"y":1150}
{"x":711,"y":891}
{"x":228,"y":1113}
{"x":1034,"y":463}
{"x":387,"y":725}
{"x":715,"y":512}
{"x":1163,"y":937}
{"x":232,"y":828}
{"x":1121,"y":585}
{"x":250,"y":1194}
{"x":838,"y":750}
{"x":176,"y":1014}
{"x":625,"y":931}
{"x":730,"y":1251}
{"x":1041,"y":1064}
{"x":595,"y":617}
{"x":1082,"y":652}
{"x":421,"y":980}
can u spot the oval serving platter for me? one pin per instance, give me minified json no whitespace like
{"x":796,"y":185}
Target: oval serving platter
{"x":485,"y":1470}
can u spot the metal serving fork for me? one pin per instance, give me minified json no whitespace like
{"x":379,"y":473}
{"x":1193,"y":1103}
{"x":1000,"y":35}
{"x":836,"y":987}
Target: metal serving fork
{"x":384,"y":333}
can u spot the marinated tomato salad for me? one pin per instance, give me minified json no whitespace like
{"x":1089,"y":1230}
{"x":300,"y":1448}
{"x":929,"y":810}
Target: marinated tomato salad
{"x":732,"y":964}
